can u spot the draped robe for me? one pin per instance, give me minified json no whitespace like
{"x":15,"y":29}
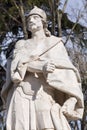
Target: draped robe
{"x":35,"y":103}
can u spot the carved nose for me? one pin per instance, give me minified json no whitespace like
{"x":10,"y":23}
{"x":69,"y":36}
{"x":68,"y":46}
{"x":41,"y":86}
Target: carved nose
{"x":31,"y":19}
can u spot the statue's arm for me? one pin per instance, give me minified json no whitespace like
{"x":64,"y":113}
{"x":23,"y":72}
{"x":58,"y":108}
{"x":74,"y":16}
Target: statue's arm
{"x":17,"y":74}
{"x":36,"y":66}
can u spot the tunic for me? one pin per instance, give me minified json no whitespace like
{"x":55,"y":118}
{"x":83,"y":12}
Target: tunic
{"x":31,"y":104}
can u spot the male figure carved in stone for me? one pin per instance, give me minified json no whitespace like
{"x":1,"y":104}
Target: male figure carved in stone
{"x":46,"y":90}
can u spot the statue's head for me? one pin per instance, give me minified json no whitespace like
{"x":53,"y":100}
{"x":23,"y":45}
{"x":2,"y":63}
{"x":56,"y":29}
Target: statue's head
{"x":40,"y":13}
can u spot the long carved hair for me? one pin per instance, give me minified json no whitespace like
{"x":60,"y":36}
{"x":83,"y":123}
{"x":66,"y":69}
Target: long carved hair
{"x":46,"y":31}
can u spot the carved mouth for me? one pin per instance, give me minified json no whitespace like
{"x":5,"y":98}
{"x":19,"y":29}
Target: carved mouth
{"x":31,"y":24}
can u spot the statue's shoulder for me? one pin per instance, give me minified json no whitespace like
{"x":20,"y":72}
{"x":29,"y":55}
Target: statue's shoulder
{"x":20,"y":44}
{"x":54,"y":39}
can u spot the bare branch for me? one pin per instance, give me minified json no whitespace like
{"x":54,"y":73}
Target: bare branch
{"x":59,"y":17}
{"x":15,"y":4}
{"x":21,"y":11}
{"x":50,"y":4}
{"x":79,"y":16}
{"x":64,"y":7}
{"x":10,"y":15}
{"x":53,"y":12}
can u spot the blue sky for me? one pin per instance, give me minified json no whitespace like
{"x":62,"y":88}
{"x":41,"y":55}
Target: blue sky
{"x":75,"y":7}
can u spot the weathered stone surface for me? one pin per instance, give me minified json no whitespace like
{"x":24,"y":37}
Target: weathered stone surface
{"x":46,"y":89}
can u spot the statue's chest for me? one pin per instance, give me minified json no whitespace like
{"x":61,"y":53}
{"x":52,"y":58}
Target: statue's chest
{"x":35,"y":49}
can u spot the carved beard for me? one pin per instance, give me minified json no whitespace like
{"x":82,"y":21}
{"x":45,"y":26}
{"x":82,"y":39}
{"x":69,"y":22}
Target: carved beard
{"x":33,"y":27}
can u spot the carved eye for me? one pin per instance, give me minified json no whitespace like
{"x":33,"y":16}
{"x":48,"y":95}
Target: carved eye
{"x":33,"y":17}
{"x":36,"y":17}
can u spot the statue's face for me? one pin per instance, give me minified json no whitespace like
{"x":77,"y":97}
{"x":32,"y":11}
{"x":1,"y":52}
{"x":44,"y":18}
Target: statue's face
{"x":34,"y":23}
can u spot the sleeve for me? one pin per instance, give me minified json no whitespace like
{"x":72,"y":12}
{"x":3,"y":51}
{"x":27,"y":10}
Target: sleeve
{"x":36,"y":66}
{"x":15,"y":75}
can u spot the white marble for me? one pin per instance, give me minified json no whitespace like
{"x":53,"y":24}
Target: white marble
{"x":46,"y":89}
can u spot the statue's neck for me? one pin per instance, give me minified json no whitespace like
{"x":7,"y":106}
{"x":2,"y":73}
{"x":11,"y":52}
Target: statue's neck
{"x":39,"y":35}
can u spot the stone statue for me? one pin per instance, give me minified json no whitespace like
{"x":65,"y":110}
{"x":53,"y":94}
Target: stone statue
{"x":43,"y":88}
